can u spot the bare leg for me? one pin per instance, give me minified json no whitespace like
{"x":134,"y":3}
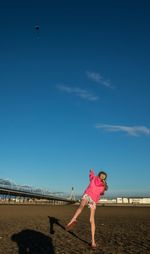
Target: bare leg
{"x":92,"y":221}
{"x":79,"y":210}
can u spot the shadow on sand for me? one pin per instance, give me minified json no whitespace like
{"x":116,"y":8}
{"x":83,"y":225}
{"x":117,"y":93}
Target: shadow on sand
{"x":33,"y":242}
{"x":54,"y":221}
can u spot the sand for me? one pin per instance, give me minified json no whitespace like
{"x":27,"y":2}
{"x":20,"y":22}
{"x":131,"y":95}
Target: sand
{"x":40,"y":229}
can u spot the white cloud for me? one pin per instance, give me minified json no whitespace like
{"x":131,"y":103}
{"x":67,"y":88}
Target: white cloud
{"x":84,"y":94}
{"x":96,"y":77}
{"x":130,"y":130}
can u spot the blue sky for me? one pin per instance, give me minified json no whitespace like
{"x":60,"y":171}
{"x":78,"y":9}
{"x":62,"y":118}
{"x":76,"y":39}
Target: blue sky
{"x":74,"y":94}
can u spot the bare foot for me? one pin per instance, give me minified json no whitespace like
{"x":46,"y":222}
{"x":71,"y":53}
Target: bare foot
{"x":93,"y":245}
{"x":71,"y":225}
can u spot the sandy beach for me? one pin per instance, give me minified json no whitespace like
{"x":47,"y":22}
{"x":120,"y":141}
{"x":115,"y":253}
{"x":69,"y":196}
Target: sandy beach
{"x":40,"y":229}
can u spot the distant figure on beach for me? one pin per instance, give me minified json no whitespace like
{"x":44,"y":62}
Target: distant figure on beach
{"x":91,"y":196}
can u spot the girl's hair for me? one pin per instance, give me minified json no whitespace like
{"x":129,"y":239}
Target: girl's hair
{"x":102,"y":172}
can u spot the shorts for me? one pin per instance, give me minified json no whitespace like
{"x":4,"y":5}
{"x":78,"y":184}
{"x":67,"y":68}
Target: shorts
{"x":91,"y":203}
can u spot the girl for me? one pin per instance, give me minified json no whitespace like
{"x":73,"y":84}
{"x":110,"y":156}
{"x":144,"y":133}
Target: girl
{"x":91,"y":196}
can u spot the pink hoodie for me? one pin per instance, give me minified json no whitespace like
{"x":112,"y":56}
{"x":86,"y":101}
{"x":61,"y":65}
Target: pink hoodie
{"x":95,"y":188}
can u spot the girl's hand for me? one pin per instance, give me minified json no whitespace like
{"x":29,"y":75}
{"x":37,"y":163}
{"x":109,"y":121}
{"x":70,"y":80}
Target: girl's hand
{"x":91,"y":174}
{"x":106,"y":186}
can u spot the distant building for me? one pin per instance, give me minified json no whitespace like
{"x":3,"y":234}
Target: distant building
{"x":105,"y":201}
{"x":133,"y":200}
{"x":119,"y":200}
{"x":139,"y":200}
{"x":125,"y":200}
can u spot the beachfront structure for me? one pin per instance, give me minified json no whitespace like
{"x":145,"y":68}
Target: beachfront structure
{"x":11,"y":192}
{"x":107,"y":201}
{"x":133,"y":200}
{"x":126,"y":200}
{"x":72,"y":194}
{"x":139,"y":200}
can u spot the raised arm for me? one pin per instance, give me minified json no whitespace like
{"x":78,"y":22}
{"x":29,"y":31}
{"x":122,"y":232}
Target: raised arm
{"x":91,"y":174}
